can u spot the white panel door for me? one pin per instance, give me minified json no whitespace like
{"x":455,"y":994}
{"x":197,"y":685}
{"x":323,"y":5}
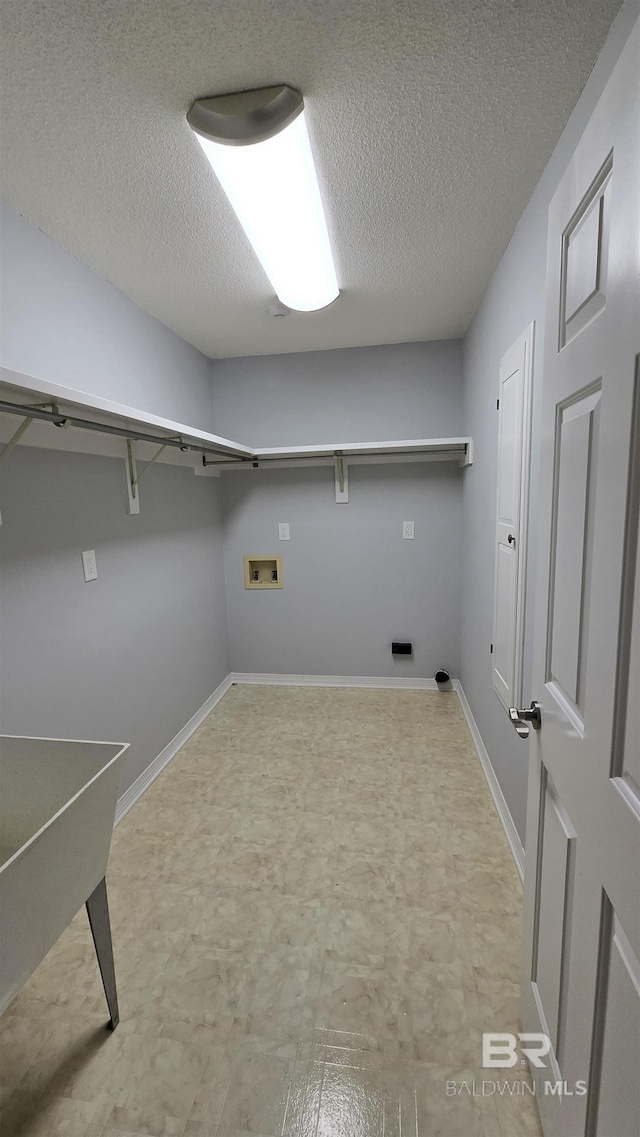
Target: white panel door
{"x":514,"y":403}
{"x":581,"y":954}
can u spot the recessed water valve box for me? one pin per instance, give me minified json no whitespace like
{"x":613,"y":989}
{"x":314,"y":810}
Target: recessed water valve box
{"x":401,"y":647}
{"x":263,"y":572}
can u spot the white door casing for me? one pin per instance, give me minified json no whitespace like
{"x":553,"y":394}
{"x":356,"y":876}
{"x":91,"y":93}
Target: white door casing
{"x":514,"y":443}
{"x":581,"y":940}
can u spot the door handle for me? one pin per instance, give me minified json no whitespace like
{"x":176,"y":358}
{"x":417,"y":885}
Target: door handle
{"x":521,"y":718}
{"x":511,"y":539}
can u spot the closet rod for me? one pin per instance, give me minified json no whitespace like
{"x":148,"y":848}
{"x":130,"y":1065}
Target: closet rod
{"x":329,"y":459}
{"x":63,"y":420}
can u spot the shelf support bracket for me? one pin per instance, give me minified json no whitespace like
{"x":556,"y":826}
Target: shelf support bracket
{"x":341,"y":479}
{"x":15,"y":438}
{"x":149,"y":463}
{"x":132,"y":477}
{"x":130,"y":480}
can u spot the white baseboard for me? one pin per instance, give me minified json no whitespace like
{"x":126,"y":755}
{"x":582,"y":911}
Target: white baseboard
{"x":142,"y":783}
{"x":511,"y":833}
{"x":268,"y":679}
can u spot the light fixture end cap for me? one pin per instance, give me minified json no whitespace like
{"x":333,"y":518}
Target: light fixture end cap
{"x":246,"y":117}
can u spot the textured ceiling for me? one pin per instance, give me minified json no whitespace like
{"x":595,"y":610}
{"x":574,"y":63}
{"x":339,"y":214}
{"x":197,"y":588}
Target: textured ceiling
{"x":431,"y":122}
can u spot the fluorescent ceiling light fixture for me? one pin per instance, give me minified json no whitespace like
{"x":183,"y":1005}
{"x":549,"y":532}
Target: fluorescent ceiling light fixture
{"x":258,"y":145}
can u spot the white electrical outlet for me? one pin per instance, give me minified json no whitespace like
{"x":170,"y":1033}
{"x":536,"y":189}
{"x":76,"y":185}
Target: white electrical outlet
{"x":408,"y":533}
{"x":89,"y":565}
{"x":283,"y":530}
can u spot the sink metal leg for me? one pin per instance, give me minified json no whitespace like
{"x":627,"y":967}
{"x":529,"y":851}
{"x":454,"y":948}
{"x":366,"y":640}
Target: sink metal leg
{"x":98,"y":912}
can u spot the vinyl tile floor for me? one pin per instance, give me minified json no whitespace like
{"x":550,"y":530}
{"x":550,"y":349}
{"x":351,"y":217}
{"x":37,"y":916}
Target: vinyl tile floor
{"x":315,"y":916}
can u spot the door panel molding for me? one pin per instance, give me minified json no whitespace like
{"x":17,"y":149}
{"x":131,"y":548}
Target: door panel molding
{"x":612,"y":1068}
{"x":585,"y":248}
{"x":625,"y":747}
{"x":576,"y":439}
{"x":552,"y":919}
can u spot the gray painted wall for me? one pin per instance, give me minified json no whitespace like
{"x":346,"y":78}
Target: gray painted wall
{"x":131,"y":656}
{"x":351,"y":584}
{"x":150,"y":633}
{"x":62,"y":322}
{"x":513,"y":299}
{"x":410,"y":390}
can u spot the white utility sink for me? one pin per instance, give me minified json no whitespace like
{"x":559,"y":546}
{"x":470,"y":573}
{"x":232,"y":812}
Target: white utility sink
{"x":57,"y":806}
